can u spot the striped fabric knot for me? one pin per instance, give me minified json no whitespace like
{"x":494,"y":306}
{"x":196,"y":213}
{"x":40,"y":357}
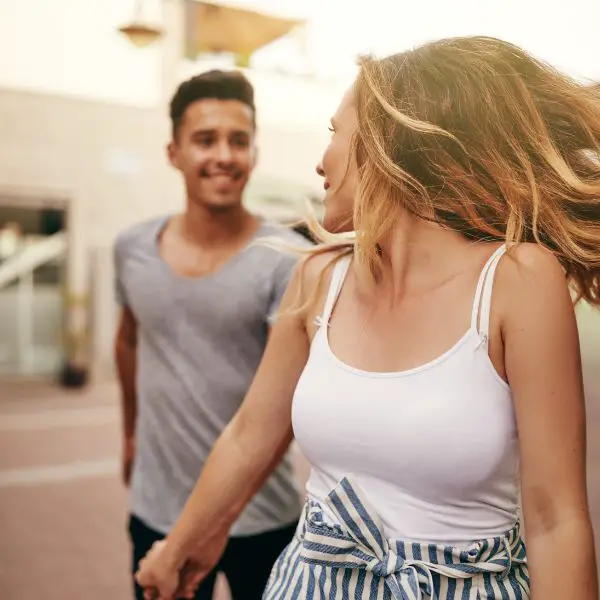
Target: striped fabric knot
{"x":385,"y":567}
{"x":358,"y":542}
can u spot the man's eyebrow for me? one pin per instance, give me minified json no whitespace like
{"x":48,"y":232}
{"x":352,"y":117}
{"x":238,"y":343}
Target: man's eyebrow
{"x":207,"y":131}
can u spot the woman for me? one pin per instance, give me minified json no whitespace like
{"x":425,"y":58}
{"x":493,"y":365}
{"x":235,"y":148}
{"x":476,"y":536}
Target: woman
{"x":408,"y":359}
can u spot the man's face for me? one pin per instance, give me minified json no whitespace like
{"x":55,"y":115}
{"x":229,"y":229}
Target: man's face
{"x":214,"y":150}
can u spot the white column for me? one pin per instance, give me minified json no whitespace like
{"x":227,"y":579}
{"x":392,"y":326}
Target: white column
{"x":79,"y":242}
{"x":25,"y":323}
{"x":103,"y":313}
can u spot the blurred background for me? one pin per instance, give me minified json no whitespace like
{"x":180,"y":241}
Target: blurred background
{"x":84,"y":87}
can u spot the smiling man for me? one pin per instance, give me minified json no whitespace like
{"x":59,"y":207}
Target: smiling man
{"x":197,"y":297}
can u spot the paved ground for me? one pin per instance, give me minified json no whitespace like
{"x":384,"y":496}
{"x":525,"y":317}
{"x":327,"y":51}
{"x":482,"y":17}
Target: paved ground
{"x":62,"y":508}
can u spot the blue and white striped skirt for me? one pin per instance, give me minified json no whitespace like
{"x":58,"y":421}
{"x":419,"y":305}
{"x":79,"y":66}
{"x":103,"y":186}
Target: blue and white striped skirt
{"x":354,"y":561}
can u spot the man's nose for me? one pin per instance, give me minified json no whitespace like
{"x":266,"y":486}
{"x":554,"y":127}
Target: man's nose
{"x":224,"y":154}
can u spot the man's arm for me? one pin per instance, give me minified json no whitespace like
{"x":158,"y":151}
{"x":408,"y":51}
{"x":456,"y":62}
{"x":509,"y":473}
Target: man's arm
{"x":125,"y":358}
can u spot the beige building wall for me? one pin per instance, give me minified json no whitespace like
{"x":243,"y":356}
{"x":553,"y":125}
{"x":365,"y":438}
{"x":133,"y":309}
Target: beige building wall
{"x":108,"y":162}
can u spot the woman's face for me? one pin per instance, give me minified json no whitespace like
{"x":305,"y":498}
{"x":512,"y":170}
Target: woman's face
{"x":338,"y":168}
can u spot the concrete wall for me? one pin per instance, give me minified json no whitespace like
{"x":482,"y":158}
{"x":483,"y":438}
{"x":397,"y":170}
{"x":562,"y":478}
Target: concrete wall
{"x":107,"y":162}
{"x":109,"y":159}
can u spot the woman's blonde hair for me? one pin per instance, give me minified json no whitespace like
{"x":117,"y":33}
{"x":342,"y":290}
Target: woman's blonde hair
{"x":475,"y":134}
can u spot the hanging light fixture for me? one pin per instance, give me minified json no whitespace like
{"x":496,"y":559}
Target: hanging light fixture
{"x":140,"y":33}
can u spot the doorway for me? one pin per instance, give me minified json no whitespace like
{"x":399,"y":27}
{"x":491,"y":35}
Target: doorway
{"x":33,"y":260}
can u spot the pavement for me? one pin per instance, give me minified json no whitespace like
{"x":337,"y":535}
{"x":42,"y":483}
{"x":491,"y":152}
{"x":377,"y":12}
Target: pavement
{"x":63,"y":508}
{"x":62,"y":505}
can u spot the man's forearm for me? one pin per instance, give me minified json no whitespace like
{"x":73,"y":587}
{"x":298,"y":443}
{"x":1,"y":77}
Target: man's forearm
{"x":563,"y":564}
{"x":126,"y":369}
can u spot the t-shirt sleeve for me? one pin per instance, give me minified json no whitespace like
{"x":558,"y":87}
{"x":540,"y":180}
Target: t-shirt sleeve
{"x":118,"y":259}
{"x":281,"y":278}
{"x":283,"y":271}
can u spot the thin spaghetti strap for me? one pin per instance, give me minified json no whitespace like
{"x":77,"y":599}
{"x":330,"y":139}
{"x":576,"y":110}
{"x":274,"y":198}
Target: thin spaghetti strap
{"x":486,"y":297}
{"x":480,"y":292}
{"x":338,"y":275}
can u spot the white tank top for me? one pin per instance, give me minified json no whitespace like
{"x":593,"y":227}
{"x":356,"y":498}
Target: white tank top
{"x":433,"y":448}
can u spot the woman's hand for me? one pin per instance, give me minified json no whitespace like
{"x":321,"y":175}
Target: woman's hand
{"x":164,"y":577}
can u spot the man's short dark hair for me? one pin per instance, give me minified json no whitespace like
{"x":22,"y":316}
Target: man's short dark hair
{"x":214,"y":84}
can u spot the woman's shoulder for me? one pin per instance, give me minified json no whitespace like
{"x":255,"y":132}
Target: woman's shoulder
{"x":313,"y":273}
{"x":320,"y":262}
{"x":531,"y":278}
{"x":530,"y":264}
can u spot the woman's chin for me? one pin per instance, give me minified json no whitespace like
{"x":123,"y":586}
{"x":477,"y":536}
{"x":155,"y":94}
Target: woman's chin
{"x":336,"y":222}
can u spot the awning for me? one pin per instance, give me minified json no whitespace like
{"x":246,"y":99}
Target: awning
{"x":214,"y":27}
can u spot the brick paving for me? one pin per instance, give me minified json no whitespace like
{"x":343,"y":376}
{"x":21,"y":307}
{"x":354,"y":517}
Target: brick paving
{"x":62,"y":507}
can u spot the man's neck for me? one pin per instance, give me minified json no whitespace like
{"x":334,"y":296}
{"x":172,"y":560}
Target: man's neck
{"x":208,"y":228}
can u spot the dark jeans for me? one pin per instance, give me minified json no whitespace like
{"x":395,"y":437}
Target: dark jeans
{"x":246,"y":563}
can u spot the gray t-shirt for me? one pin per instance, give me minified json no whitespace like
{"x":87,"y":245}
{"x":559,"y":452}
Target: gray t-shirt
{"x":200,"y":342}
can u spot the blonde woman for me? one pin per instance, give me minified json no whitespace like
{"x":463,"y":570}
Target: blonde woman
{"x":429,"y":370}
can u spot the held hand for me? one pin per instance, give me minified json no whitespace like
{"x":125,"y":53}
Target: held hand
{"x":164,"y":578}
{"x":158,"y":575}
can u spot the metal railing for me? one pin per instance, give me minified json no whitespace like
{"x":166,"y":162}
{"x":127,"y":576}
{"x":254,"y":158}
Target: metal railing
{"x":22,"y":264}
{"x":19,"y":268}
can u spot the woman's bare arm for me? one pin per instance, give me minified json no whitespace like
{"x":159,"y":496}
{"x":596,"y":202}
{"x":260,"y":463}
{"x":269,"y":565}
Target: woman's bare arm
{"x":258,"y":436}
{"x":543,"y":366}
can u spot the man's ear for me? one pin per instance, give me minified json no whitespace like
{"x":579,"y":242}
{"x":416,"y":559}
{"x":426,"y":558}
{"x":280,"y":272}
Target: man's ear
{"x":172,"y":154}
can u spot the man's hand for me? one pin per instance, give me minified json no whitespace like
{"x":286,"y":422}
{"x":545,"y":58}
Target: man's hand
{"x":127,"y":459}
{"x":158,"y":576}
{"x":166,"y":577}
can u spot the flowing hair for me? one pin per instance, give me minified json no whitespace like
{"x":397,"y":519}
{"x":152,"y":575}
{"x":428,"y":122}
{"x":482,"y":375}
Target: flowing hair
{"x":478,"y":136}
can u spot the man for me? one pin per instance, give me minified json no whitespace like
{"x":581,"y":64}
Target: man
{"x":197,"y":295}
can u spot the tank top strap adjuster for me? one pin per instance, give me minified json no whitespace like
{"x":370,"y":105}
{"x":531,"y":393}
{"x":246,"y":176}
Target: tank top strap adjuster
{"x":483,"y":341}
{"x":318,"y":321}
